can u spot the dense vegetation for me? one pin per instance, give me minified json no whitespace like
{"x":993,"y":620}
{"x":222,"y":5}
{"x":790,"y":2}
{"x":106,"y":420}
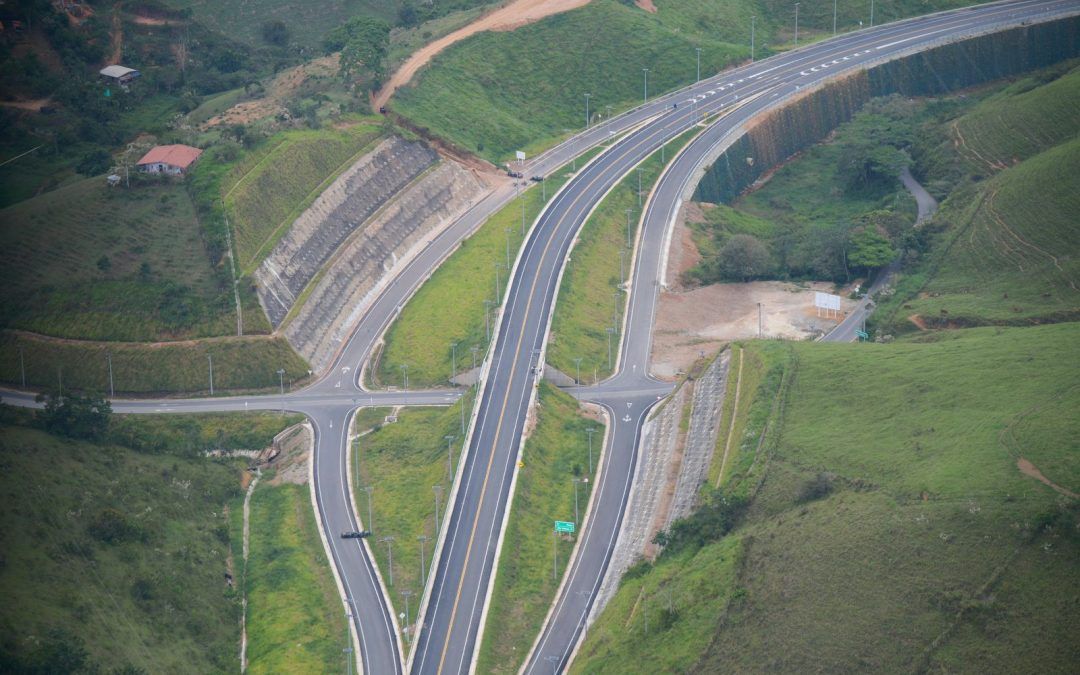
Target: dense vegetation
{"x":838,"y":210}
{"x":890,"y":523}
{"x":116,"y":557}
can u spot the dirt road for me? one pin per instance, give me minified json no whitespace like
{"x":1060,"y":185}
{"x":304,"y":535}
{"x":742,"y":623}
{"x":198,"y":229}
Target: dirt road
{"x":507,"y":17}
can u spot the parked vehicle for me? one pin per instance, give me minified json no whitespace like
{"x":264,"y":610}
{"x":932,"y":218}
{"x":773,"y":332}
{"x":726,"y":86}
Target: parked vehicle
{"x":355,"y":535}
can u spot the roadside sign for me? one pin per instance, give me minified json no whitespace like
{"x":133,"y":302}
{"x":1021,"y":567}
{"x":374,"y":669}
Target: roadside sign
{"x":862,"y":335}
{"x":564,"y":526}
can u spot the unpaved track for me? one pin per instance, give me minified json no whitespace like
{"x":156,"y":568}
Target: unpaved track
{"x":507,"y":17}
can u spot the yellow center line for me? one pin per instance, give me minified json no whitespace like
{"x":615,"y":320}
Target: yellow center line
{"x":502,"y":412}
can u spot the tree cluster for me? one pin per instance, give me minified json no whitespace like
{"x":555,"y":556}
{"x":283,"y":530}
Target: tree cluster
{"x":74,"y":416}
{"x":364,"y":43}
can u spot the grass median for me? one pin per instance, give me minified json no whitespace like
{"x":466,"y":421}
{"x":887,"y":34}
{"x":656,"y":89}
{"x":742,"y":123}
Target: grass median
{"x":590,"y":297}
{"x":450,"y":306}
{"x":402,"y":462}
{"x":555,"y":462}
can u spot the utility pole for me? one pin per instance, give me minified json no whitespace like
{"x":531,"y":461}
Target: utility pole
{"x":797,"y":23}
{"x":590,"y":431}
{"x":834,"y":17}
{"x":577,"y":482}
{"x":753,"y":19}
{"x":405,"y":376}
{"x":112,"y":390}
{"x":370,"y":518}
{"x":211,"y":359}
{"x":698,"y":50}
{"x":487,"y":316}
{"x":450,"y":456}
{"x":871,"y":13}
{"x":281,"y":385}
{"x":423,"y":560}
{"x":587,"y":120}
{"x":646,"y":71}
{"x":438,"y":494}
{"x":577,"y":367}
{"x":389,"y":541}
{"x":453,"y":360}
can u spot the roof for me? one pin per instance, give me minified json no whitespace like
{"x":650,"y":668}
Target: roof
{"x":117,"y":71}
{"x":182,"y":156}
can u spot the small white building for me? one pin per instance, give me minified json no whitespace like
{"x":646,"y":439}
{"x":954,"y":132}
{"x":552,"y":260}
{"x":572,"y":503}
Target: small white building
{"x":121,"y":75}
{"x":174,"y":160}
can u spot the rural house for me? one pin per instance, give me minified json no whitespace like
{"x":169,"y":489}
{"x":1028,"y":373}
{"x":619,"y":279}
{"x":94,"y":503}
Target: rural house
{"x":174,"y":160}
{"x":121,"y":75}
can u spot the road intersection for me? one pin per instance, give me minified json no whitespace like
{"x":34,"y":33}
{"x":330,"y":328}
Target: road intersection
{"x":450,"y":622}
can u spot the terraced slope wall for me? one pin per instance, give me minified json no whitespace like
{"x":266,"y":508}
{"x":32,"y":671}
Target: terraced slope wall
{"x":357,"y":270}
{"x":809,"y":118}
{"x":337,"y":213}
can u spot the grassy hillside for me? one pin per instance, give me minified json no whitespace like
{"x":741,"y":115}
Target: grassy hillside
{"x":555,"y":455}
{"x":1002,"y":250}
{"x":87,"y":261}
{"x":499,"y":92}
{"x":143,"y":368}
{"x":266,"y":191}
{"x":892,"y":528}
{"x":113,"y":572}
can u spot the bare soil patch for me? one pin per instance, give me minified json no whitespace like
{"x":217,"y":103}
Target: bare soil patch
{"x":647,"y":5}
{"x":701,"y":320}
{"x":280,"y":89}
{"x":33,"y":105}
{"x":508,"y":17}
{"x":1029,"y":469}
{"x":683,"y":254}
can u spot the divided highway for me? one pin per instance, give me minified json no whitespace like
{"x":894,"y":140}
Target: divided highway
{"x":450,"y":623}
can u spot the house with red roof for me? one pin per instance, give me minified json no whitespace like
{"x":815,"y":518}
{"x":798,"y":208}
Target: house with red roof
{"x":174,"y":160}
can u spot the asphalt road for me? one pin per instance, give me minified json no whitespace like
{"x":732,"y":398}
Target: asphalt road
{"x":452,"y":613}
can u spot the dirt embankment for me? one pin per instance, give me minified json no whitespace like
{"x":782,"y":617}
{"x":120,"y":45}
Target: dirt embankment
{"x":508,"y":17}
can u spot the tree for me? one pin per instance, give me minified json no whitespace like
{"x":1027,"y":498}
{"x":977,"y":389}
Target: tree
{"x":94,"y":163}
{"x":743,"y":257}
{"x":275,"y":32}
{"x":85,"y":417}
{"x":869,"y":249}
{"x":364,"y":45}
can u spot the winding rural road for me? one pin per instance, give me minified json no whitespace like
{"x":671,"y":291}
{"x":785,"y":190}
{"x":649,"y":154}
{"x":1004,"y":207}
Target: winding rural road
{"x":450,"y":619}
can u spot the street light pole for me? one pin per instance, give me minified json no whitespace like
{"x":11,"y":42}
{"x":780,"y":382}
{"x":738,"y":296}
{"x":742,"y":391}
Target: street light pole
{"x":450,"y":456}
{"x":698,"y":50}
{"x":577,"y":482}
{"x":453,"y":360}
{"x":646,"y":71}
{"x":628,"y":212}
{"x":438,"y":494}
{"x":211,"y":358}
{"x":577,"y":366}
{"x":587,"y":110}
{"x":406,"y":594}
{"x":22,"y":366}
{"x":871,"y":13}
{"x":497,"y":267}
{"x":370,"y":518}
{"x":834,"y":17}
{"x":389,"y":541}
{"x":474,"y":349}
{"x":487,"y":317}
{"x":610,"y":330}
{"x":590,"y":431}
{"x":405,"y":376}
{"x":423,"y":560}
{"x":638,"y":192}
{"x":508,"y":231}
{"x":281,"y":385}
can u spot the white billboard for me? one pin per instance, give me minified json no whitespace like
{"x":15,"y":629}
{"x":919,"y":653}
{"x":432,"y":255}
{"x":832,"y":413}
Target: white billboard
{"x":520,"y":155}
{"x":826,"y":301}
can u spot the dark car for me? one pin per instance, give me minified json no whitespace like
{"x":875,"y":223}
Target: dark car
{"x":537,"y":179}
{"x":355,"y":535}
{"x":515,"y":174}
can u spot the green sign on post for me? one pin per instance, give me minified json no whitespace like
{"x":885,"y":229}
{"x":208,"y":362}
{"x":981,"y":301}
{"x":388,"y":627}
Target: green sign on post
{"x":862,"y":335}
{"x":564,"y":526}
